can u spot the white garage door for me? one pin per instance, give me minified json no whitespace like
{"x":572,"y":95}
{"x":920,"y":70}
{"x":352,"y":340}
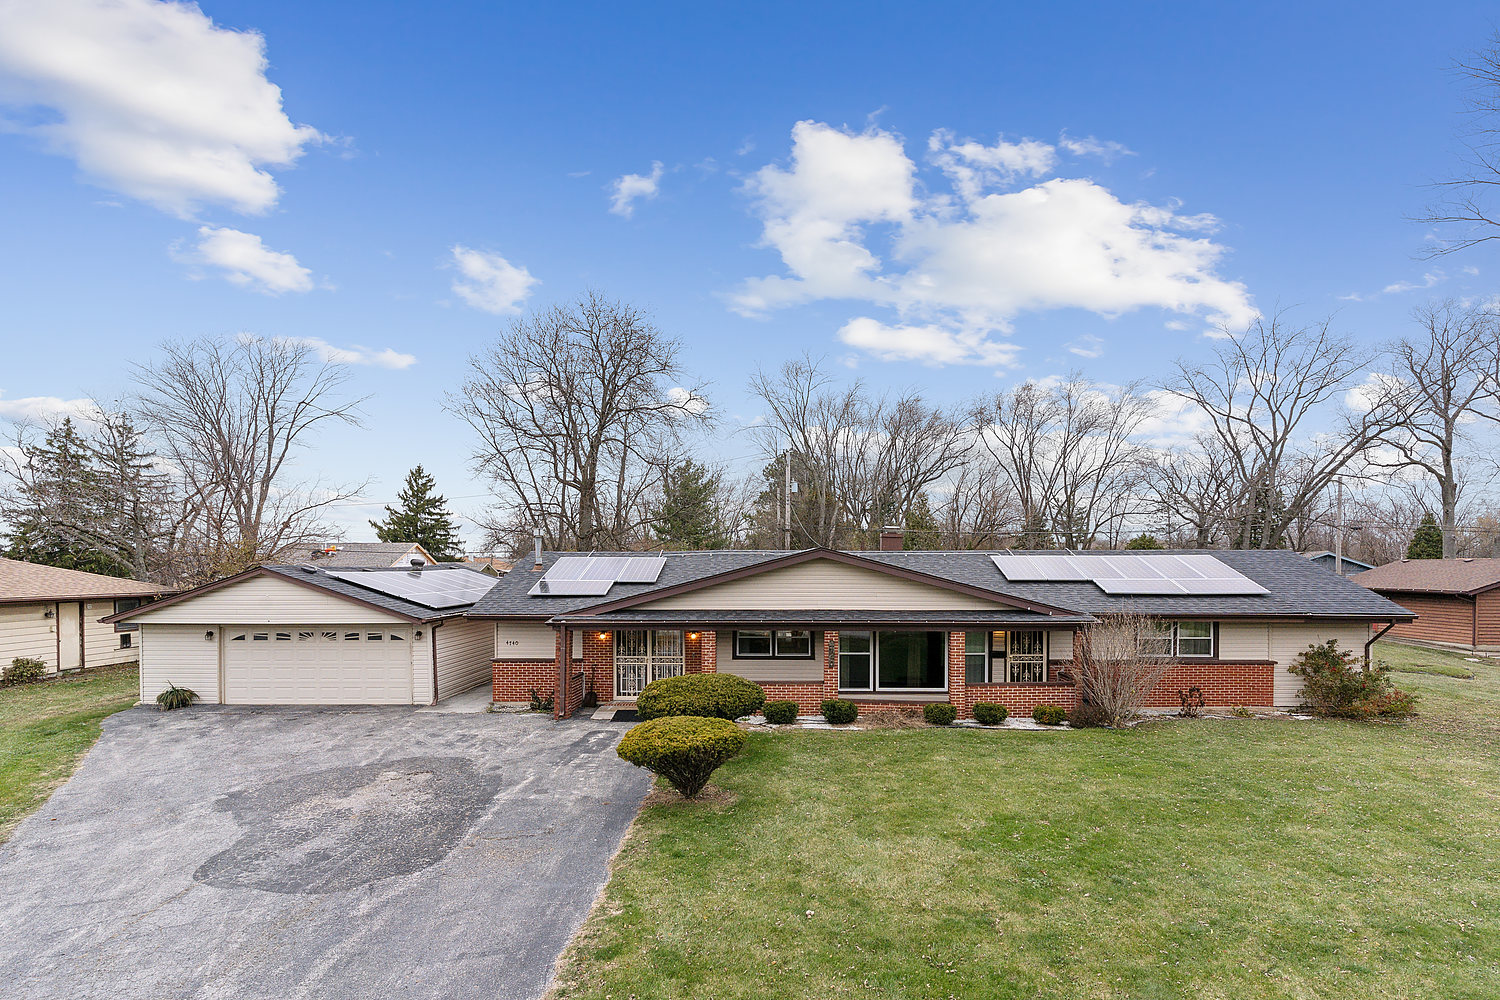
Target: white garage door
{"x":317,"y":665}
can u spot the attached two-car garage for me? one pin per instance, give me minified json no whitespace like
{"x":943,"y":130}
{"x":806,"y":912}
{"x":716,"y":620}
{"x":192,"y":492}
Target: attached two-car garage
{"x":282,"y":635}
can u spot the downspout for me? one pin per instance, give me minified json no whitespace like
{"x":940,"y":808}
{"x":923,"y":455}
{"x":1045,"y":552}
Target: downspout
{"x":1373,"y":639}
{"x":432,"y":640}
{"x":560,"y":699}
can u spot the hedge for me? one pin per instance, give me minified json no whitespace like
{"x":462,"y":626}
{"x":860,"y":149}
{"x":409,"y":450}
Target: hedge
{"x":684,"y":749}
{"x":938,"y":714}
{"x":709,"y":696}
{"x":781,"y":713}
{"x":989,"y":714}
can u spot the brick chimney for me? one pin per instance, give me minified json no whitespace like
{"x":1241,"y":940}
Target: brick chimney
{"x":891,"y":538}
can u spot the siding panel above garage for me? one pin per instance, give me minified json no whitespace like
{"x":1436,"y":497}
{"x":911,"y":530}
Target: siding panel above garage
{"x":267,"y":600}
{"x":822,"y":584}
{"x":182,"y":655}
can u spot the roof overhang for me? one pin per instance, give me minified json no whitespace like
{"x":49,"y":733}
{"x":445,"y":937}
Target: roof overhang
{"x":833,"y":621}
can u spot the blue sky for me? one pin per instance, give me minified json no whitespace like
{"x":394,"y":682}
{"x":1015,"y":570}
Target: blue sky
{"x":1233,"y":159}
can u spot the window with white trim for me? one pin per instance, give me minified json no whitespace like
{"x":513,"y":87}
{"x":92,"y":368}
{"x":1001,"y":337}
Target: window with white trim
{"x":1182,"y":639}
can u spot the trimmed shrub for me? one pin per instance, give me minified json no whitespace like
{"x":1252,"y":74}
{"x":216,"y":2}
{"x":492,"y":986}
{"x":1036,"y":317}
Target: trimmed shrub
{"x":707,"y":696}
{"x":939,"y":714}
{"x":839,"y":712}
{"x":989,"y":714}
{"x":1088,"y":715}
{"x":780,"y":713}
{"x":1334,"y":685}
{"x":684,"y":749}
{"x":175,"y":697}
{"x":23,"y":670}
{"x":1050,"y":715}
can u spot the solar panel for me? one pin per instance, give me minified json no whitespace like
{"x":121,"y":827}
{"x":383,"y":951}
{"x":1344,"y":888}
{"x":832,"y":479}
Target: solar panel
{"x":433,"y":588}
{"x":1117,"y":573}
{"x":592,"y":576}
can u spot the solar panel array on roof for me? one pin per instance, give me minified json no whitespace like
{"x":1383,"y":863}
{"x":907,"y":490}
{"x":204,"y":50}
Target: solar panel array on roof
{"x":592,"y":576}
{"x":1147,"y":573}
{"x":434,"y":588}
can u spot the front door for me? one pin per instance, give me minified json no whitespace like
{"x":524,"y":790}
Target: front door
{"x":645,"y":655}
{"x":69,"y":635}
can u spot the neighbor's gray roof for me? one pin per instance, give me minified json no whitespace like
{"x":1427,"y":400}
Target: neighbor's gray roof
{"x":333,"y":584}
{"x":1298,"y":587}
{"x":1437,"y":576}
{"x":379,"y":555}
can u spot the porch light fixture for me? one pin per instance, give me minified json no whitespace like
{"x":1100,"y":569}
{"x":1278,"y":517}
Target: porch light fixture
{"x":209,"y":634}
{"x":693,"y":635}
{"x":604,"y":635}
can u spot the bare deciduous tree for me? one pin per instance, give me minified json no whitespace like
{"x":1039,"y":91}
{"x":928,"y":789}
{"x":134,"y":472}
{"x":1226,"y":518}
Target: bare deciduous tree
{"x":229,"y":417}
{"x":866,"y":459}
{"x":1118,"y":662}
{"x":1465,"y":212}
{"x":1263,"y":393}
{"x":576,"y":408}
{"x":1443,"y":381}
{"x":1069,"y":455}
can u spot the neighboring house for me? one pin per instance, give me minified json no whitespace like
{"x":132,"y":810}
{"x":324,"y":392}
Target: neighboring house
{"x":1330,"y":561}
{"x":908,"y":628}
{"x":1457,"y":601}
{"x":319,"y":635}
{"x":52,"y":614}
{"x":493,"y":565}
{"x":375,"y":555}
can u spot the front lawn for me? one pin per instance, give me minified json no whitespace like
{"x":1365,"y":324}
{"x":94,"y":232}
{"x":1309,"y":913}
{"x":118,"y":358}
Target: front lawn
{"x":1215,"y":858}
{"x":46,"y":728}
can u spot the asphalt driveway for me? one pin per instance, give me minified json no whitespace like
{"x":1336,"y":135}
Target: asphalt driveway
{"x":314,"y":853}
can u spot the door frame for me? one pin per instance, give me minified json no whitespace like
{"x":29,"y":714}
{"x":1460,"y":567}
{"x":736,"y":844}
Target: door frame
{"x":656,"y":665}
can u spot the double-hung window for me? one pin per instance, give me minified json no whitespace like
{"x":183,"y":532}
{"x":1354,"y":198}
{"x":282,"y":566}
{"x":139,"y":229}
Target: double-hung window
{"x":1015,"y":656}
{"x":773,"y":644}
{"x":1184,"y":639}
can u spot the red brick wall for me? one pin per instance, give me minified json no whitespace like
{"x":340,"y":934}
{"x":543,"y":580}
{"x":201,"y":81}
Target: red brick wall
{"x":513,"y":680}
{"x":599,"y":663}
{"x":1020,"y":699}
{"x":1223,"y":684}
{"x":809,"y":696}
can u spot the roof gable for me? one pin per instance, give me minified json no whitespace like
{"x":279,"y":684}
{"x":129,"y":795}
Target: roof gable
{"x":824,"y":578}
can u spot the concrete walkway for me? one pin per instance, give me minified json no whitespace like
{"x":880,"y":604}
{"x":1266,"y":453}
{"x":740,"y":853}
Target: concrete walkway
{"x":219,"y":852}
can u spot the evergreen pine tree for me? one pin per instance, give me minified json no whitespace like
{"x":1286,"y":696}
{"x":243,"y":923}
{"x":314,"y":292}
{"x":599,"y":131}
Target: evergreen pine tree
{"x":1427,"y":541}
{"x":687,"y":516}
{"x":422,"y":517}
{"x":57,"y":511}
{"x":921,"y":526}
{"x":1144,"y":542}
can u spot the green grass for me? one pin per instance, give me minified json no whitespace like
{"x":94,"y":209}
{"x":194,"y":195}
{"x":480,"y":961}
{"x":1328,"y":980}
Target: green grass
{"x":45,"y":729}
{"x":1215,"y":858}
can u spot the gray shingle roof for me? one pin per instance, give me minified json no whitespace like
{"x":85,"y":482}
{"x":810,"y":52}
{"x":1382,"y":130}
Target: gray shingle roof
{"x":334,"y":585}
{"x":1297,"y":586}
{"x":1016,"y":617}
{"x":364,"y":554}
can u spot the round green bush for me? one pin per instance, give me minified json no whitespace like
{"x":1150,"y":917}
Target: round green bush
{"x":939,"y":714}
{"x":839,"y":712}
{"x":989,"y":714}
{"x":709,"y":696}
{"x":684,"y":749}
{"x":1050,"y":715}
{"x":23,"y":670}
{"x":781,"y":713}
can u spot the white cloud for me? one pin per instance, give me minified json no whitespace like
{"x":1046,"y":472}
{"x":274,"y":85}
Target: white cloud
{"x":931,"y":345}
{"x":45,"y":409}
{"x":687,"y":400}
{"x":851,"y":219}
{"x":246,"y":261}
{"x":150,"y":99}
{"x":1105,"y":149}
{"x":1087,"y":346}
{"x":1429,"y":279}
{"x":355,"y":354}
{"x":1173,"y":422}
{"x":490,"y":282}
{"x":625,"y":191}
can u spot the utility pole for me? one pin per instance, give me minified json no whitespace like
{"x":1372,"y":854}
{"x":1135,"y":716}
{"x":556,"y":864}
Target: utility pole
{"x":1338,"y":529}
{"x":786,"y":497}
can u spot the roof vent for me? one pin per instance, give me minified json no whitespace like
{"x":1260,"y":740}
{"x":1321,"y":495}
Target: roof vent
{"x":1468,"y":558}
{"x":309,"y":568}
{"x":418,"y":562}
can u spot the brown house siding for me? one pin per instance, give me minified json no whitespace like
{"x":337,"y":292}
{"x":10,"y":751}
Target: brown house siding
{"x":1489,"y":618}
{"x":1440,"y":617}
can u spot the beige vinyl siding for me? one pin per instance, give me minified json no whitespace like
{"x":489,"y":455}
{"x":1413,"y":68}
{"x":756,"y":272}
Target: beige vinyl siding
{"x":421,"y":665}
{"x":763,"y":669}
{"x":101,"y":643}
{"x":1244,"y":640}
{"x":269,"y":600}
{"x":24,"y":631}
{"x":464,"y":651}
{"x":179,"y":654}
{"x":823,"y":584}
{"x":529,"y":641}
{"x":1287,"y":642}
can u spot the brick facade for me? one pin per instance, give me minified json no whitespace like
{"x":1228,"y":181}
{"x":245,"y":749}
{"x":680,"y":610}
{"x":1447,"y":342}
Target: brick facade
{"x":1222,"y":684}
